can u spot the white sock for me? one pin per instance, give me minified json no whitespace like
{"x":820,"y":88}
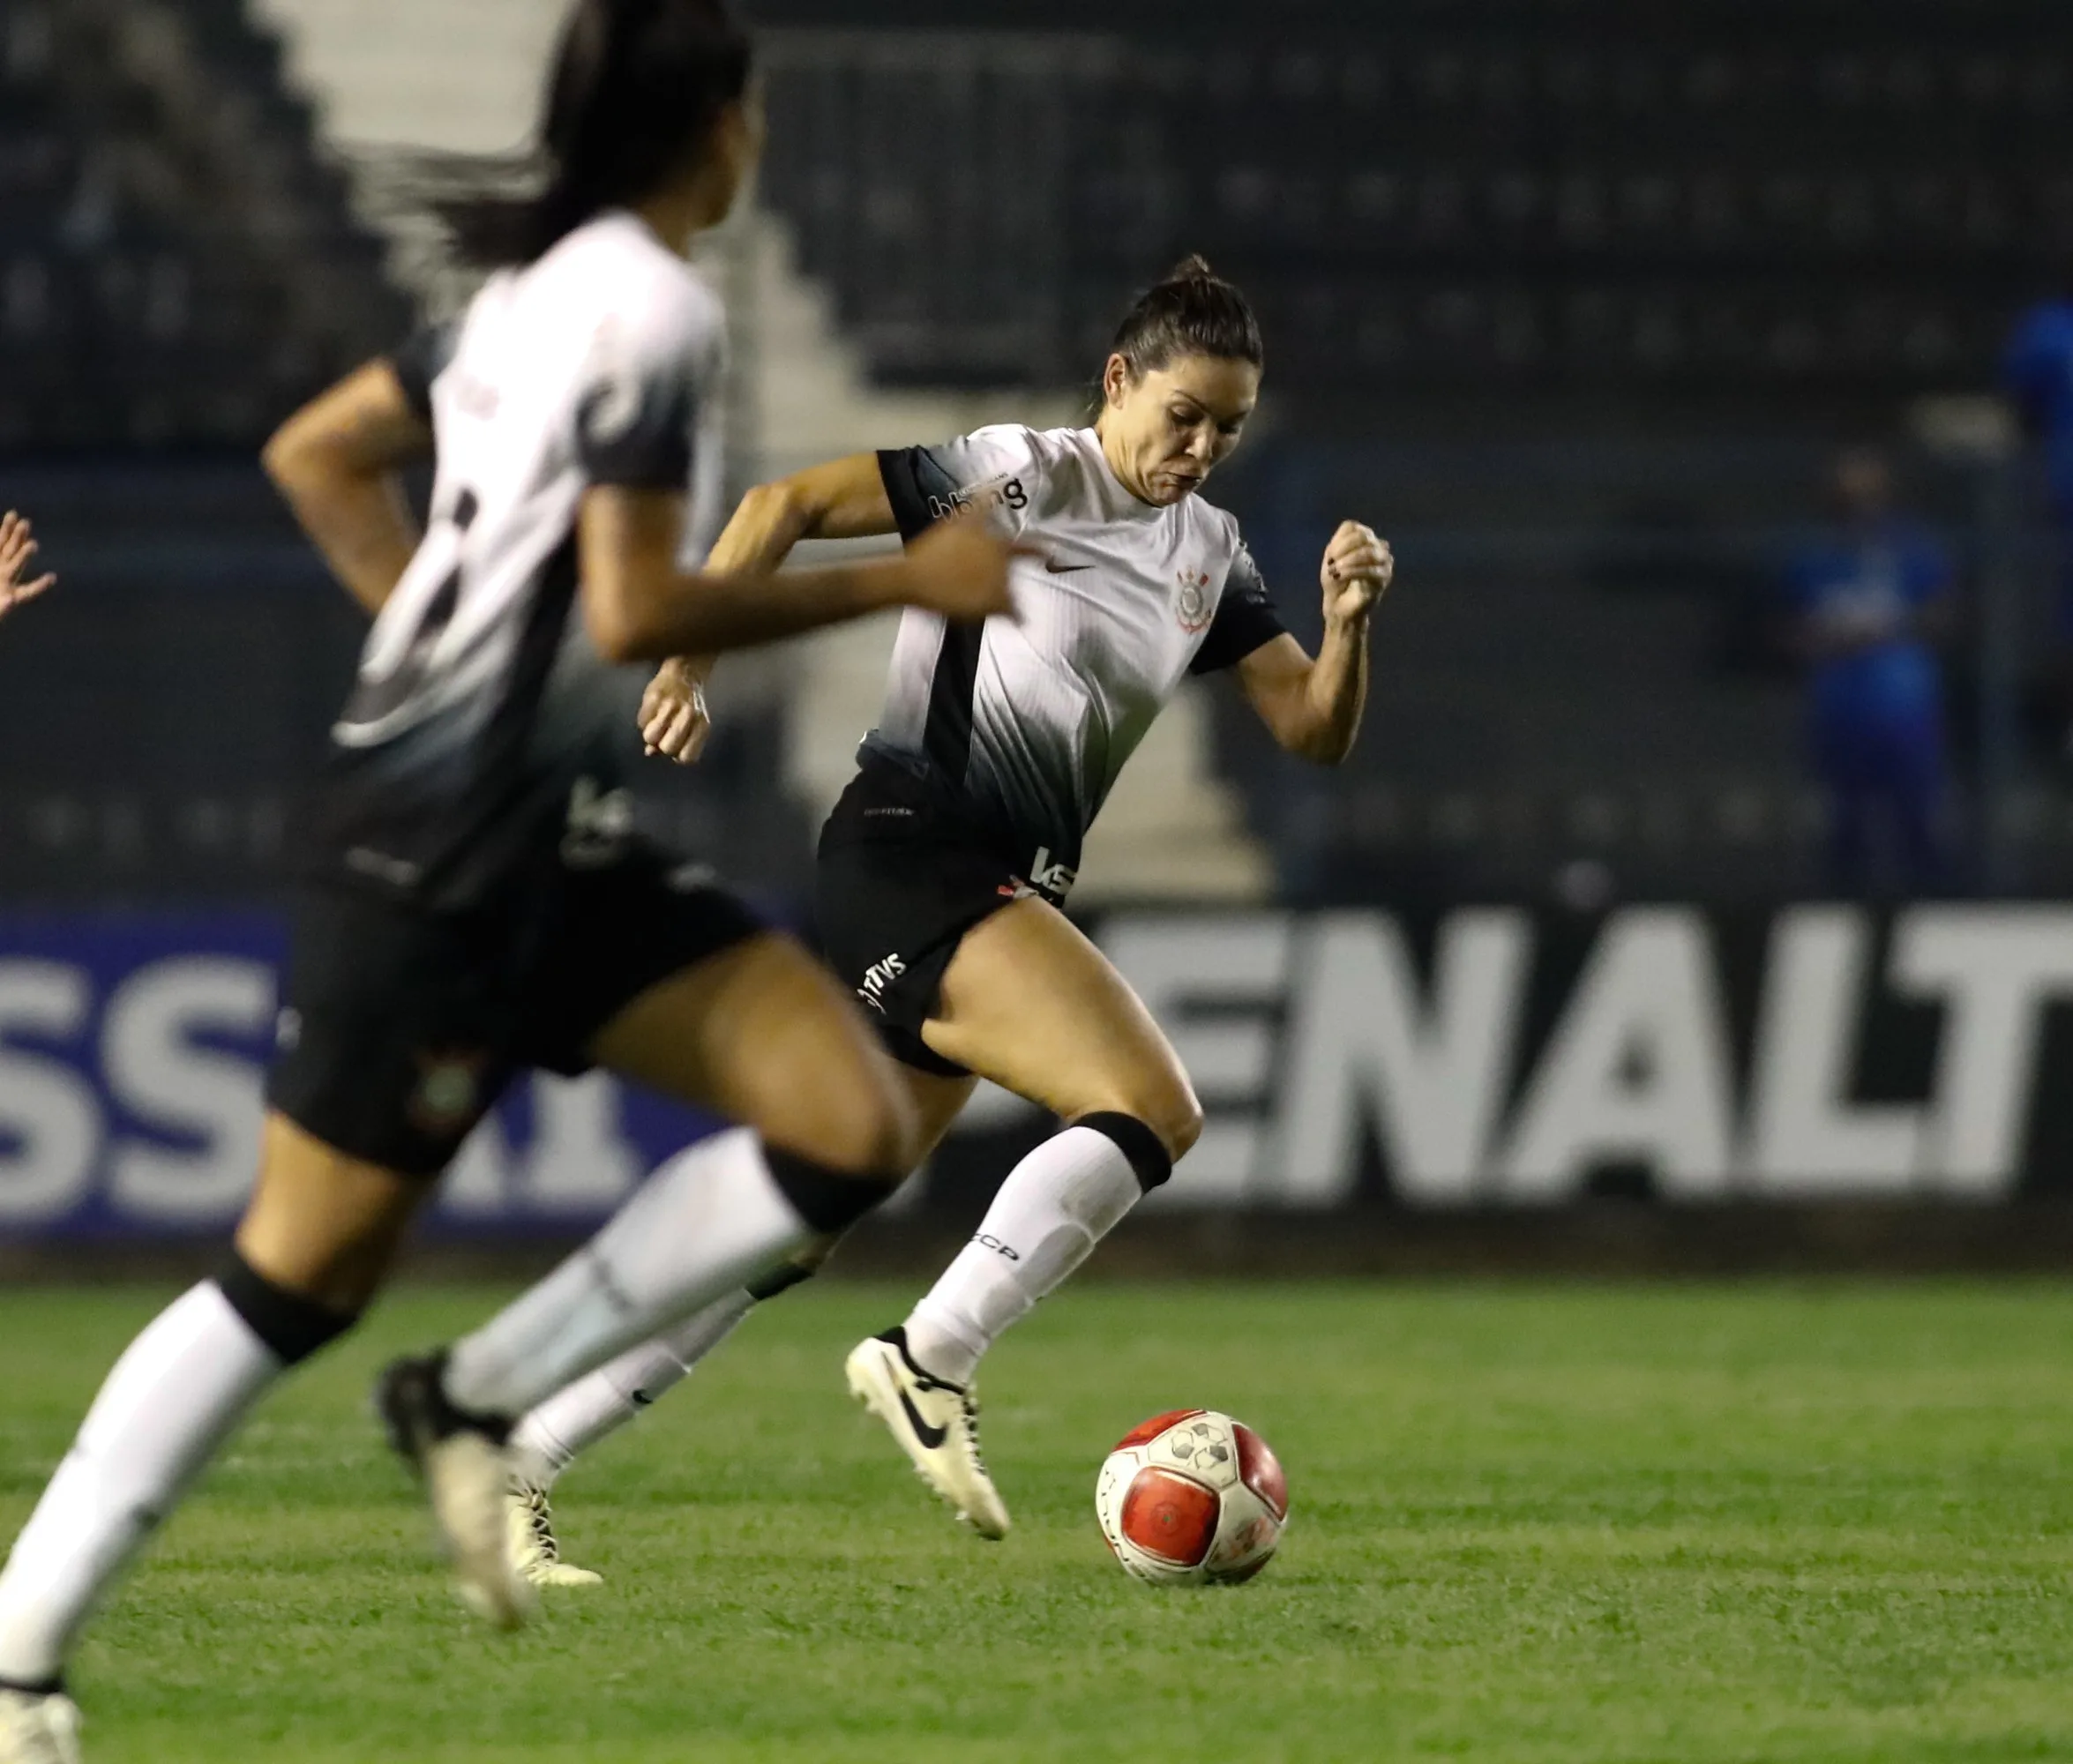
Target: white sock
{"x":1054,"y":1208}
{"x":705,"y":1223}
{"x":571,"y":1421}
{"x":177,"y":1392}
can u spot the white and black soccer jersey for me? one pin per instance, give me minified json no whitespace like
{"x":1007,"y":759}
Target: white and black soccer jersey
{"x":1026,"y":725}
{"x":484,"y":731}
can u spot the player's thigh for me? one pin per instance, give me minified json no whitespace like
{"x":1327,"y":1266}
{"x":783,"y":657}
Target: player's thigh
{"x":937,"y":1101}
{"x":760,"y":1032}
{"x":322,"y":1223}
{"x":1030,"y":1003}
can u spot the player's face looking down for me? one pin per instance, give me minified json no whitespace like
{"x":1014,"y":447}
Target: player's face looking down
{"x":1165,"y":431}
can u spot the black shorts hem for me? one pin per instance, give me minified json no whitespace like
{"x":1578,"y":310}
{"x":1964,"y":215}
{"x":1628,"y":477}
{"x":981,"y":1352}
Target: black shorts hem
{"x":911,"y":1049}
{"x":899,"y":883}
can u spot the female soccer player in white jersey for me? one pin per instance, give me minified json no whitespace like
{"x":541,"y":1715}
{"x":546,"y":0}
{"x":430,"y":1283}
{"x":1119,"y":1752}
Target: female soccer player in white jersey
{"x":478,"y":902}
{"x":944,"y":867}
{"x":18,"y":546}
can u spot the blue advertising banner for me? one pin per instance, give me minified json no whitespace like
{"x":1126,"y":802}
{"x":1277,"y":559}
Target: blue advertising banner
{"x":1489,"y":1058}
{"x":133,"y":1052}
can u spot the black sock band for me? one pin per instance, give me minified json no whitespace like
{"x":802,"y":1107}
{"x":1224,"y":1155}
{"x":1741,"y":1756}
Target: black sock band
{"x":830,"y":1200}
{"x":43,"y":1687}
{"x":293,"y":1326}
{"x":779,"y":1279}
{"x":1145,"y":1149}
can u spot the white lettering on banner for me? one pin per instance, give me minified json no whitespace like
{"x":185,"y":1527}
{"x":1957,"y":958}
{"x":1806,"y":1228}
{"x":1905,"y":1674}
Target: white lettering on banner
{"x":1364,"y":1045}
{"x":478,"y":1183}
{"x":1178,"y":965}
{"x":1995,"y":968}
{"x":1804,"y":1140}
{"x":1637,"y":1069}
{"x":155,"y":1071}
{"x":46,"y":1110}
{"x":579,"y":1159}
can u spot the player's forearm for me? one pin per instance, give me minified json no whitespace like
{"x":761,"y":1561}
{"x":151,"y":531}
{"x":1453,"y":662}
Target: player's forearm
{"x":1336,"y":695}
{"x":361,"y":525}
{"x":770,"y":520}
{"x":708,"y":613}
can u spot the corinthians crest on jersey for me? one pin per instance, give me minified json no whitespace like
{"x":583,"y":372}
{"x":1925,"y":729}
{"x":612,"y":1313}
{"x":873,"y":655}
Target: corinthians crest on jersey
{"x":1193,"y":604}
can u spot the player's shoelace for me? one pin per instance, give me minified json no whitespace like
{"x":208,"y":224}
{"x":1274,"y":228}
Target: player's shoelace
{"x":968,"y":1409}
{"x":540,"y":1518}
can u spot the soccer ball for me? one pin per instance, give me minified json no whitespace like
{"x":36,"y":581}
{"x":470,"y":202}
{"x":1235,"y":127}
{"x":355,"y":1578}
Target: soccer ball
{"x":1191,"y":1496}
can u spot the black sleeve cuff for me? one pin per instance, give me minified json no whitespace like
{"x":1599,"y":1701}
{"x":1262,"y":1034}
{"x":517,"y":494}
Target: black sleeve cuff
{"x":1244,"y":622}
{"x":900,"y":469}
{"x":419,"y":360}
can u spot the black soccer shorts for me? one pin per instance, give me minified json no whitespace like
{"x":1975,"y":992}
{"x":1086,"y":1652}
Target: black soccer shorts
{"x":900,"y":879}
{"x":401,"y":1028}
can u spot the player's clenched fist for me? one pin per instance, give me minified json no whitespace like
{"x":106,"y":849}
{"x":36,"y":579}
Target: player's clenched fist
{"x":674,"y":722}
{"x":18,"y":546}
{"x":1356,"y":571}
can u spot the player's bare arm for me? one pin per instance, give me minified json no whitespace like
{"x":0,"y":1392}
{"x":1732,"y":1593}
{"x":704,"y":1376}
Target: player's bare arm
{"x":1312,"y":706}
{"x":18,"y":548}
{"x":339,"y":461}
{"x":639,"y":605}
{"x":842,"y":499}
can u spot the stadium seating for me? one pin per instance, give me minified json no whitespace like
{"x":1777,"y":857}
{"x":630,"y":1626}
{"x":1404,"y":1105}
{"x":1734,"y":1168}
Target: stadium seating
{"x":175,"y":265}
{"x":1563,"y":202}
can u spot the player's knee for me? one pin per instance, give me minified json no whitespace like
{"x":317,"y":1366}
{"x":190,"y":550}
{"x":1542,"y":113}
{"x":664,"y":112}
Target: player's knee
{"x":1169,"y":1108}
{"x":293,"y":1324}
{"x":862,"y":1125}
{"x":1179,"y":1123}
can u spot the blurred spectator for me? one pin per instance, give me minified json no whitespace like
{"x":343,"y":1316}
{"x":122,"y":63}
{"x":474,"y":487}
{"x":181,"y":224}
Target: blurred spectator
{"x":2037,"y":369}
{"x":1865,"y":601}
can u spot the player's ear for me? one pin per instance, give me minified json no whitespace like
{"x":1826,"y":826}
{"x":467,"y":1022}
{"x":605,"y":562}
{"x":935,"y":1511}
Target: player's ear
{"x":1115,"y":381}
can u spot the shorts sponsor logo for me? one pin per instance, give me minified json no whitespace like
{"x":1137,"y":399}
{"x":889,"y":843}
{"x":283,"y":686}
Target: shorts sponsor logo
{"x":1047,"y":880}
{"x":397,"y":872}
{"x":1190,"y":603}
{"x":877,"y":977}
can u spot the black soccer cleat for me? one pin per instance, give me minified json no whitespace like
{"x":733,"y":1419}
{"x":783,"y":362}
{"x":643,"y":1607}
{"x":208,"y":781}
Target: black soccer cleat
{"x":461,"y":1460}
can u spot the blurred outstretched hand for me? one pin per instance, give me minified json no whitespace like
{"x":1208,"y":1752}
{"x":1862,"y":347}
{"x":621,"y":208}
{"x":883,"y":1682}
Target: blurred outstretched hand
{"x":18,"y":548}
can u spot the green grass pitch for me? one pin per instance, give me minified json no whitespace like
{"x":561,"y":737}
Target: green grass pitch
{"x":1590,"y":1524}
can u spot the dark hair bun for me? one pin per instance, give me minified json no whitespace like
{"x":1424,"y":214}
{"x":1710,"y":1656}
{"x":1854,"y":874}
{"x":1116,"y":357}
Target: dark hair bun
{"x":1194,"y":312}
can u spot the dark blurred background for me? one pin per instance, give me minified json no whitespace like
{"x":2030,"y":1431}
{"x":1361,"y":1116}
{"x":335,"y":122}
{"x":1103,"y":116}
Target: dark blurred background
{"x":1698,"y":360}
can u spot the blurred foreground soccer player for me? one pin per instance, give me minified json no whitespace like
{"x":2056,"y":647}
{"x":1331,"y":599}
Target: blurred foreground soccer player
{"x":944,"y":868}
{"x":18,"y":546}
{"x":479,"y":903}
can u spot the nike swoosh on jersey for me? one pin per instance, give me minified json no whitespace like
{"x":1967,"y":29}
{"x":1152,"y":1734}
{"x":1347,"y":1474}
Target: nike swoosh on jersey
{"x":1053,"y":567}
{"x":929,"y":1437}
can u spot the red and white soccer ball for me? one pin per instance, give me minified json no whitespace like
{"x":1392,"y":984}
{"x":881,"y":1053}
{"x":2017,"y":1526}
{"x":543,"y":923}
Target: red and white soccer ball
{"x":1191,"y":1498}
